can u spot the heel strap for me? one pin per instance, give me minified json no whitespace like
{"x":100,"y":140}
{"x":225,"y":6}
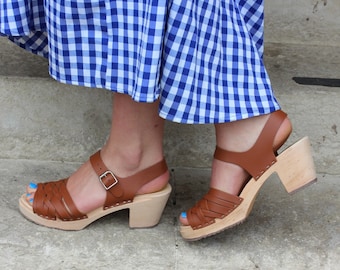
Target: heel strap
{"x":123,"y":190}
{"x":262,"y":155}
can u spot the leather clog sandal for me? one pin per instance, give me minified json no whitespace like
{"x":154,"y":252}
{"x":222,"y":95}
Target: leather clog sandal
{"x":218,"y":210}
{"x":53,"y":207}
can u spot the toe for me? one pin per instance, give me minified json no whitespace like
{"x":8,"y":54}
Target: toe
{"x":183,"y":219}
{"x":29,"y":198}
{"x":32,"y":187}
{"x":30,"y":190}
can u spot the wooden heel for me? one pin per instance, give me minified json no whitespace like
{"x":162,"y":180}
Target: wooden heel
{"x":146,"y":210}
{"x":295,"y":166}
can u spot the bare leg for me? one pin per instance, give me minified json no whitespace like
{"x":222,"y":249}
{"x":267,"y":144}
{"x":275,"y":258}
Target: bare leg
{"x":135,"y":143}
{"x":237,"y":136}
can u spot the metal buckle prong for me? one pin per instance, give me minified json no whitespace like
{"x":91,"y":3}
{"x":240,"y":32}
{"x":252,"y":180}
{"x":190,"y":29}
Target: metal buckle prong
{"x":105,"y":175}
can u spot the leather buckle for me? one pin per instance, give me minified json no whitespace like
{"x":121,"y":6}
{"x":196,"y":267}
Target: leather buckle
{"x":107,"y":186}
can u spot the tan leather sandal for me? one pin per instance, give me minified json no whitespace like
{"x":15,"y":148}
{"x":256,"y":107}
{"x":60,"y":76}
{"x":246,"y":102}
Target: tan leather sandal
{"x":218,"y":210}
{"x":53,"y":207}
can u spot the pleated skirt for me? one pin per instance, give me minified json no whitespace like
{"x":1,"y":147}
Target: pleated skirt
{"x":203,"y":59}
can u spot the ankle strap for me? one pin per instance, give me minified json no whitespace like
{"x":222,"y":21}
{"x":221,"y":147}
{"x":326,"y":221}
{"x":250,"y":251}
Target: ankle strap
{"x":261,"y":155}
{"x":123,"y":190}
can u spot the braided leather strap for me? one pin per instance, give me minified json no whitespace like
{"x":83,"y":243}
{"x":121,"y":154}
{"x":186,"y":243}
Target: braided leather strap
{"x":52,"y":201}
{"x":215,"y":204}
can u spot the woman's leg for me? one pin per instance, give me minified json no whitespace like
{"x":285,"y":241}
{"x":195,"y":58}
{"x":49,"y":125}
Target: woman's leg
{"x":238,"y":136}
{"x":134,"y":143}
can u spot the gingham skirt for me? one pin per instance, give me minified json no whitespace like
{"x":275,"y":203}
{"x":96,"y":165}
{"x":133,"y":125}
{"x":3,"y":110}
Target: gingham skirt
{"x":201,"y":58}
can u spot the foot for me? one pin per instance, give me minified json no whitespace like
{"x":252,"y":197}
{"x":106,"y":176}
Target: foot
{"x":238,"y":136}
{"x":86,"y":190}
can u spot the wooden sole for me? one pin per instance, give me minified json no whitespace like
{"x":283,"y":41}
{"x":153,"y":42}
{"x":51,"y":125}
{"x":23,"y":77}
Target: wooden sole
{"x":145,"y":211}
{"x":294,"y":166}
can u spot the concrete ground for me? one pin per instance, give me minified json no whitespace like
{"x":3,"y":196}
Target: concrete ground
{"x":299,"y":231}
{"x":48,"y":129}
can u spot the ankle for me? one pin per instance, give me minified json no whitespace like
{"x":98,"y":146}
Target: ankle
{"x":129,"y":160}
{"x":240,"y":136}
{"x":120,"y":160}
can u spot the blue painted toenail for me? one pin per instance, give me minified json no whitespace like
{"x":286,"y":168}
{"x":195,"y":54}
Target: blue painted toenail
{"x":183,"y":215}
{"x":31,"y":200}
{"x":28,"y":194}
{"x":33,"y":185}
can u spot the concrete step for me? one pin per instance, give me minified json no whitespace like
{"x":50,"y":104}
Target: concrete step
{"x":45,"y":120}
{"x":305,"y":22}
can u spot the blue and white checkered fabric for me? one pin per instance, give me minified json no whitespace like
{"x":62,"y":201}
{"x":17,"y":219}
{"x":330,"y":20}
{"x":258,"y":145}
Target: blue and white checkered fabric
{"x":23,"y":21}
{"x":202,"y":58}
